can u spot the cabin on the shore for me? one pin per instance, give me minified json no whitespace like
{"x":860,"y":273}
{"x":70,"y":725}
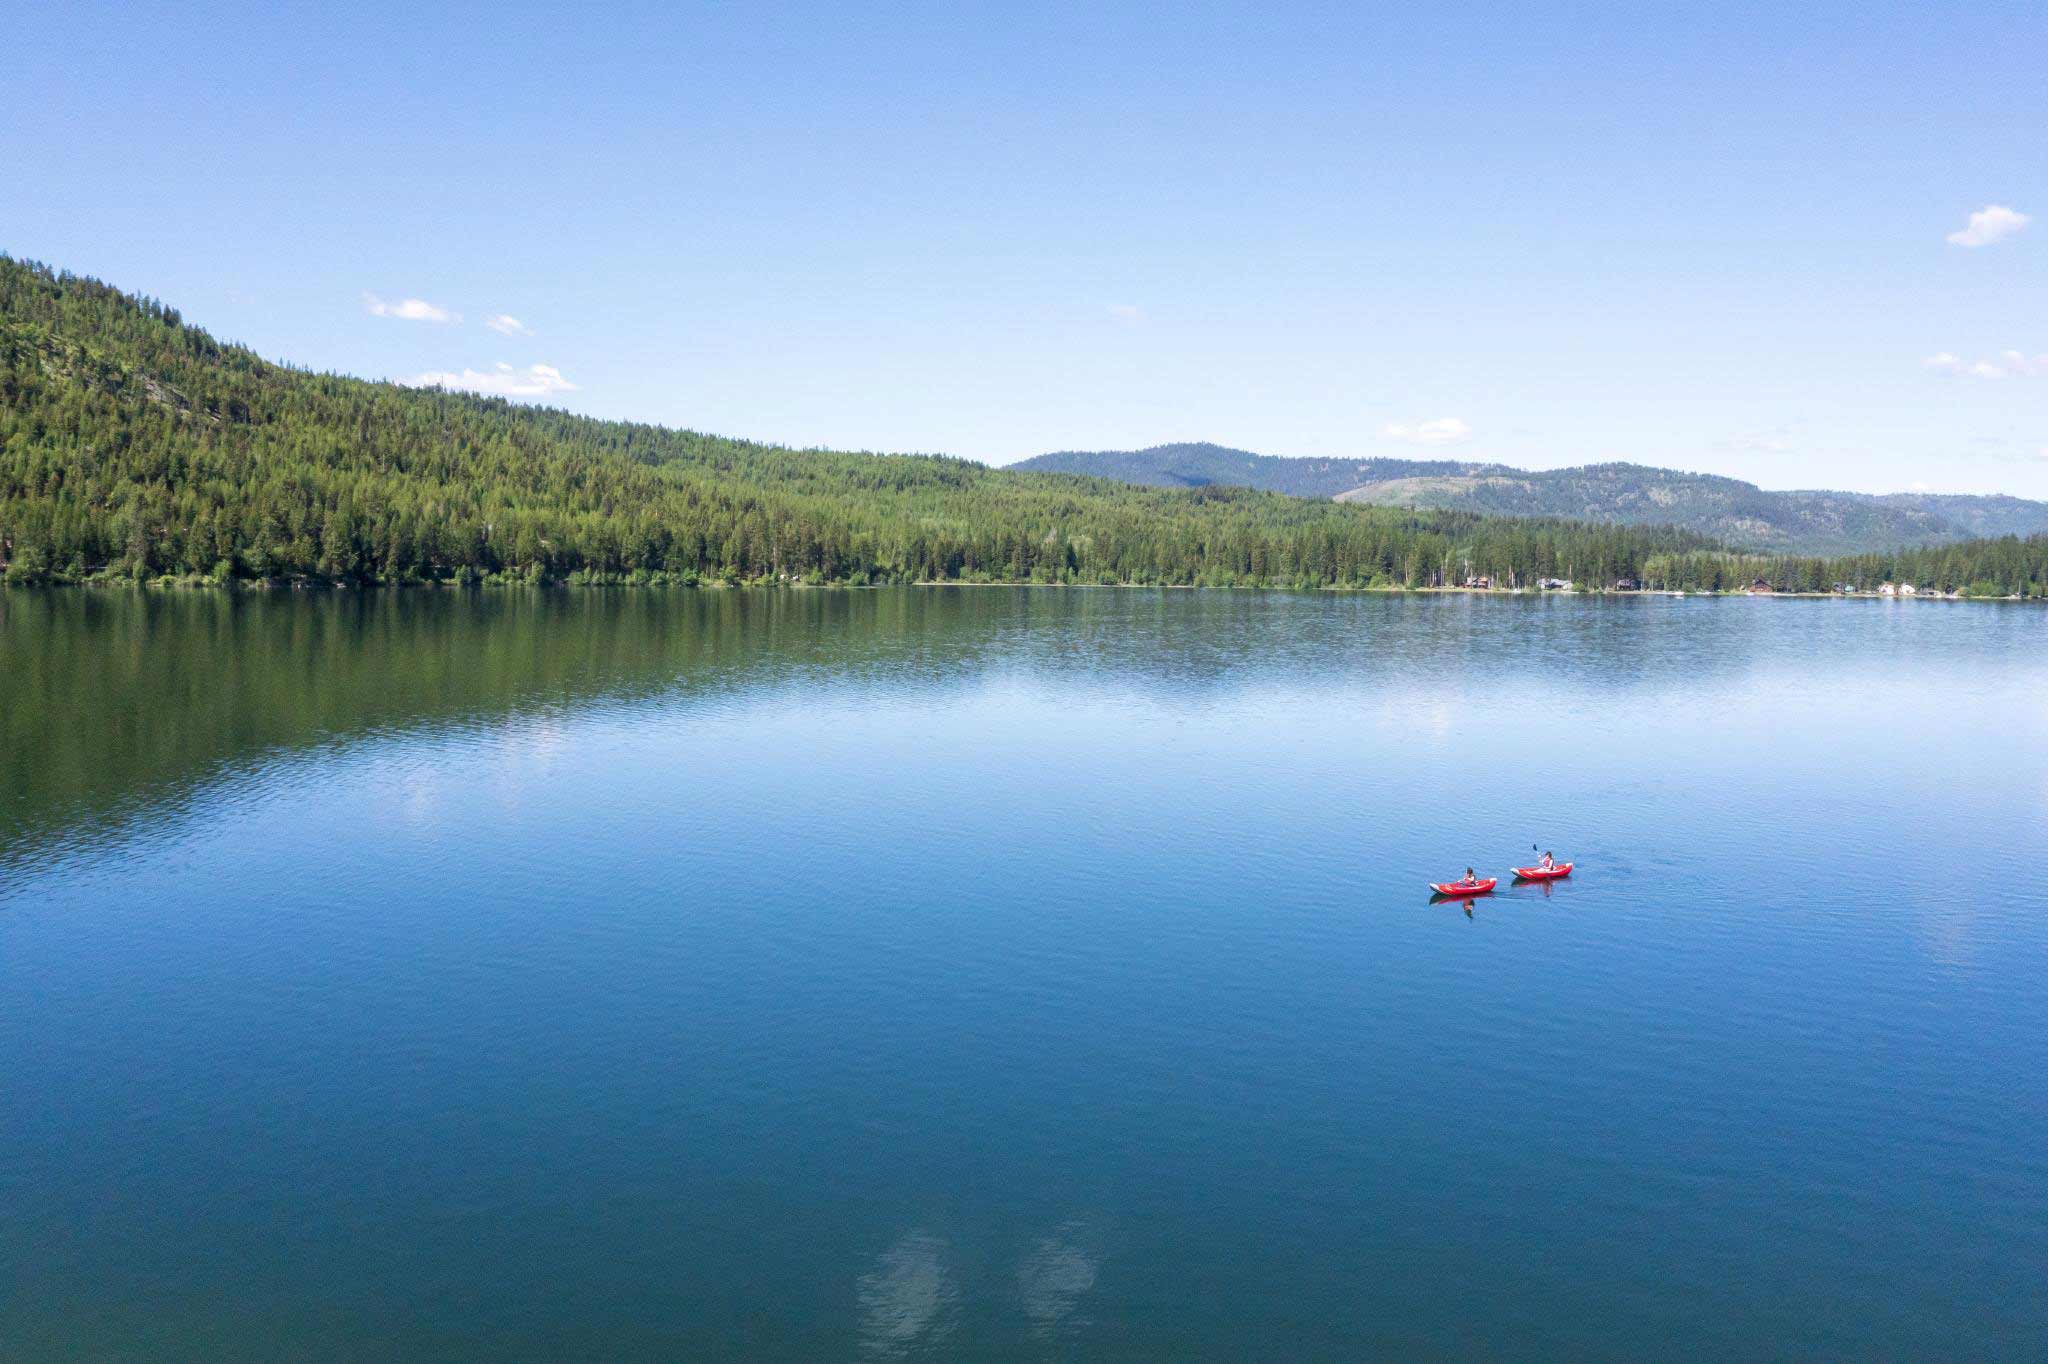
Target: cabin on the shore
{"x":1761,"y":588}
{"x":1908,"y":590}
{"x":1845,"y":590}
{"x":1480,"y":584}
{"x":1625,"y":585}
{"x":1554,"y":584}
{"x":1887,"y":589}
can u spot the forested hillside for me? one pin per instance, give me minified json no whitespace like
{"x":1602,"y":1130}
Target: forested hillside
{"x":1725,"y":509}
{"x":135,"y":445}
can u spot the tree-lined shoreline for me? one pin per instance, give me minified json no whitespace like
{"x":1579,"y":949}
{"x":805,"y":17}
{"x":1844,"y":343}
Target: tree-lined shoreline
{"x":136,"y":448}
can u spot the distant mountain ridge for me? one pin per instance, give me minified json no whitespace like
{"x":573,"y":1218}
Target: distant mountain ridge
{"x":1805,"y":521}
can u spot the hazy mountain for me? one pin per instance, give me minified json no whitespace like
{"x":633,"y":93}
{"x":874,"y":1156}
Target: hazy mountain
{"x":1200,"y":464}
{"x":1805,"y":521}
{"x":1985,"y":515}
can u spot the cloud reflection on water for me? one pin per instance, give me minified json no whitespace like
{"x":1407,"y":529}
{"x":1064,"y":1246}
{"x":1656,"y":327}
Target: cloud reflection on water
{"x":1056,"y":1275}
{"x":909,"y":1299}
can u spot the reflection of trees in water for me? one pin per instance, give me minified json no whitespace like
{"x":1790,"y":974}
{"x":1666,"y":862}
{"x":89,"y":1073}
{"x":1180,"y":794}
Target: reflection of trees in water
{"x":112,"y":701}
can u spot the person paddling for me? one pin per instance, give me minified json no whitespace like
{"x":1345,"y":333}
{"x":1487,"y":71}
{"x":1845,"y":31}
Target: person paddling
{"x":1470,"y":885}
{"x":1547,"y":868}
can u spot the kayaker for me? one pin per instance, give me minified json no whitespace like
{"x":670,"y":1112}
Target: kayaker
{"x":1548,"y":862}
{"x":1471,"y":878}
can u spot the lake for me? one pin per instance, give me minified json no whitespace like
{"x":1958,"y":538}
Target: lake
{"x":1013,"y":975}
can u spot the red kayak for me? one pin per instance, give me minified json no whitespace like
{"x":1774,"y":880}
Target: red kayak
{"x":1544,"y":873}
{"x":1465,"y":887}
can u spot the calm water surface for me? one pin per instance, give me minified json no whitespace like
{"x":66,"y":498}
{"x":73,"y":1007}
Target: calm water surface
{"x":989,"y":974}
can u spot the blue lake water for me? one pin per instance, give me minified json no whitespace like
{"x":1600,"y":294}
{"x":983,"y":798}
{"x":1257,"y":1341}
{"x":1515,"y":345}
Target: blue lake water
{"x":1005,"y":974}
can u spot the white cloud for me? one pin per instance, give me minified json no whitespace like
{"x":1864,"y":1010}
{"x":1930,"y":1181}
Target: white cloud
{"x":1991,"y":223}
{"x":1437,"y":431}
{"x":1126,"y":313}
{"x":1763,"y":442}
{"x":2008,"y":364}
{"x":504,"y":324}
{"x":534,"y":381}
{"x":410,"y":309}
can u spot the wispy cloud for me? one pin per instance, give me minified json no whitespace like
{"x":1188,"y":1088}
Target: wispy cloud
{"x":1127,"y":313}
{"x":534,"y":381}
{"x":2008,"y":364}
{"x":504,"y":324}
{"x":2000,"y":450}
{"x":1991,"y":223}
{"x":1437,"y":431}
{"x":408,"y":309}
{"x":1761,"y":442}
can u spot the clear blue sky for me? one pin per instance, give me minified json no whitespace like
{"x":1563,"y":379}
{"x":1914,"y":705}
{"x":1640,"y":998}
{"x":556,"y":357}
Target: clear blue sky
{"x":1708,"y":236}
